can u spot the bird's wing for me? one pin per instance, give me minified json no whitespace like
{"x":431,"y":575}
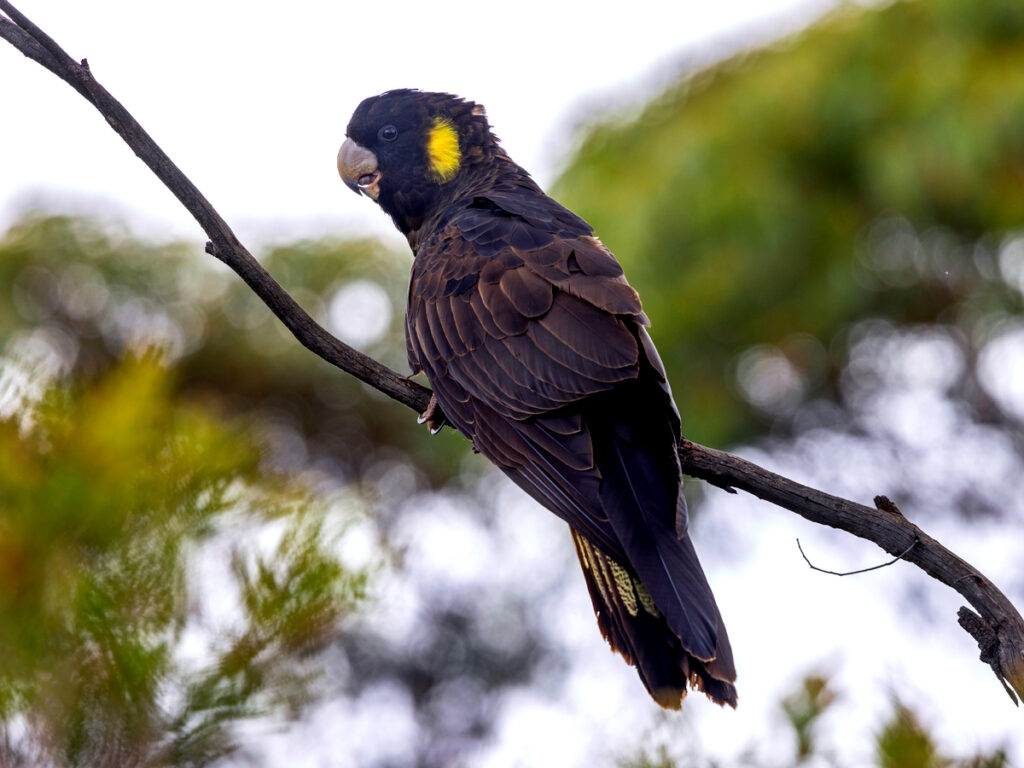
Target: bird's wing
{"x":513,"y":326}
{"x":519,"y":318}
{"x":527,"y":329}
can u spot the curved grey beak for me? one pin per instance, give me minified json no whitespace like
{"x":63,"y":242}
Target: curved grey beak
{"x":358,"y":168}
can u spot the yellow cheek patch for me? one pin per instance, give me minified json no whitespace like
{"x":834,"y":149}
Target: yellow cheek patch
{"x":443,"y":149}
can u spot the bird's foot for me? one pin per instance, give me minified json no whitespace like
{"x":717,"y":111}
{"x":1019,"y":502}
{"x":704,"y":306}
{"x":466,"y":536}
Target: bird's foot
{"x":432,"y":417}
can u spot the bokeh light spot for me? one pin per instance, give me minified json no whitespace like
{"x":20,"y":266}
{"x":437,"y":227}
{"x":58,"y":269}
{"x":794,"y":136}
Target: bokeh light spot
{"x":360,"y":313}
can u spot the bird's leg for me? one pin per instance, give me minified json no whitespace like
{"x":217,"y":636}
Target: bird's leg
{"x":432,"y":417}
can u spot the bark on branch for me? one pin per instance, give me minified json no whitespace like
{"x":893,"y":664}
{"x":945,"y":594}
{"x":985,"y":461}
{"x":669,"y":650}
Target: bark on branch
{"x":995,"y":624}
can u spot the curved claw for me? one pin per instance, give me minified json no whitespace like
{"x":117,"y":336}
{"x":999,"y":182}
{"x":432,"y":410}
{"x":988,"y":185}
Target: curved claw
{"x":432,"y":417}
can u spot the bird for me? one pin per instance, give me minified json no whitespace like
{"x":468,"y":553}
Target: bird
{"x":536,"y":349}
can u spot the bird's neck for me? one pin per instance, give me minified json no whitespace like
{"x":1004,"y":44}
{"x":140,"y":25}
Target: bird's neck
{"x":499,"y":174}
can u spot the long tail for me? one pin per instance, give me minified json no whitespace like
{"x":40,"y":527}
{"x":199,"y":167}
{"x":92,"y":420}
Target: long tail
{"x":684,"y":638}
{"x":636,"y":629}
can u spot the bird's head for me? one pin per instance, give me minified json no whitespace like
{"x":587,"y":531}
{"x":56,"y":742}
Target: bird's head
{"x":409,"y":149}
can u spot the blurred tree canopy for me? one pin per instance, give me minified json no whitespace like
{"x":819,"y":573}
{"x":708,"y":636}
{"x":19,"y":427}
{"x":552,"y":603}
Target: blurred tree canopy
{"x":866,"y":167}
{"x":92,"y":291}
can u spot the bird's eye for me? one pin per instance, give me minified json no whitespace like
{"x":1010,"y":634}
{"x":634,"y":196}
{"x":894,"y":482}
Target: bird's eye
{"x":387,"y":133}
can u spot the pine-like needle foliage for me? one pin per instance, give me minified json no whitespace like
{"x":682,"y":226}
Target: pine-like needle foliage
{"x":107,"y":493}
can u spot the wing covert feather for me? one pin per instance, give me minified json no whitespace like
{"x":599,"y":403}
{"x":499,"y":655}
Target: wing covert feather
{"x":526,"y":323}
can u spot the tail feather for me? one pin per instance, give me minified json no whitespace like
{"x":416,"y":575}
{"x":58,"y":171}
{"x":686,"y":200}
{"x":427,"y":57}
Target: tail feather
{"x":635,"y":628}
{"x":628,"y":518}
{"x":640,"y":494}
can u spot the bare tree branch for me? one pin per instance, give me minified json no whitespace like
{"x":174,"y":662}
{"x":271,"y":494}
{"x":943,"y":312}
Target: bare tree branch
{"x":996,"y":626}
{"x":35,"y":44}
{"x":999,"y":629}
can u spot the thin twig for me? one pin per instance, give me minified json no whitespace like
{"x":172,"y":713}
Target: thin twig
{"x":997,"y":626}
{"x":861,"y":570}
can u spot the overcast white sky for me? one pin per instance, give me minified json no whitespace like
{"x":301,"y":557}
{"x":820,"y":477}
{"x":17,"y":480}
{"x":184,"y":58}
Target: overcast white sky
{"x":251,"y":99}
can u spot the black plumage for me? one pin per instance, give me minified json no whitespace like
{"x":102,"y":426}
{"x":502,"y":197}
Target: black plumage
{"x":537,"y":350}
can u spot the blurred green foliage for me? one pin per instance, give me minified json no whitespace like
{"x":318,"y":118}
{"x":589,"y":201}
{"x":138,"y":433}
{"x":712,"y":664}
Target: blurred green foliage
{"x":107,"y":493}
{"x":781,"y":196}
{"x":803,"y":709}
{"x":81,"y":296}
{"x":97,"y":291}
{"x":904,"y":743}
{"x":901,"y":742}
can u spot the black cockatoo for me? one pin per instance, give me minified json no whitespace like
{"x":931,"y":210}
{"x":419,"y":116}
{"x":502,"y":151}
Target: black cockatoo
{"x":537,"y":351}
